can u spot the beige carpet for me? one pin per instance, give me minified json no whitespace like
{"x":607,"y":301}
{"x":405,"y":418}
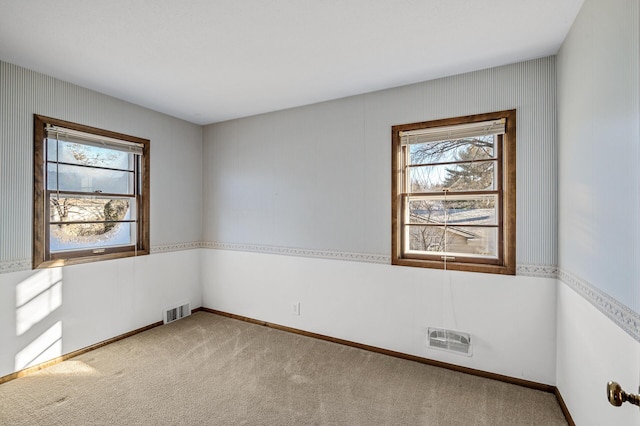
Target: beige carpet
{"x":210,"y":370}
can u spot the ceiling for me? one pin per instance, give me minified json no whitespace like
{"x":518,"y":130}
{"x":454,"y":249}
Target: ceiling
{"x":213,"y":60}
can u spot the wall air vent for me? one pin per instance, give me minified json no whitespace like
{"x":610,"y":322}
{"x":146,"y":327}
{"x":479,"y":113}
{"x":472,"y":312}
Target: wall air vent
{"x":448,"y":340}
{"x":176,"y":313}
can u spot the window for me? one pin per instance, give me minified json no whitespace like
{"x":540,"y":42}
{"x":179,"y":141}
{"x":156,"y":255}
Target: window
{"x":454,"y":193}
{"x":91,"y":194}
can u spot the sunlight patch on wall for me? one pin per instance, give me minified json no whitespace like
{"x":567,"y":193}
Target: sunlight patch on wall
{"x":44,"y":348}
{"x":37,"y":297}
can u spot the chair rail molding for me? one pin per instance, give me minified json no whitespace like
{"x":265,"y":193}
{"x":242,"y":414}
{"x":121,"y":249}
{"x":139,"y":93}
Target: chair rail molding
{"x":620,"y":314}
{"x":15,"y":265}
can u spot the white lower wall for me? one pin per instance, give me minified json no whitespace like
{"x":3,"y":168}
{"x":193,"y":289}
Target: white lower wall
{"x":511,"y":319}
{"x":592,"y":350}
{"x":50,"y":312}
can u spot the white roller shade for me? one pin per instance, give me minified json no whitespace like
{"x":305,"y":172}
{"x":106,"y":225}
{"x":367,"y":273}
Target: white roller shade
{"x":460,"y":131}
{"x":76,"y":136}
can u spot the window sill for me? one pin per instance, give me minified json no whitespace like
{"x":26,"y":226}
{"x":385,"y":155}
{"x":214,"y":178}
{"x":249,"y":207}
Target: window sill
{"x":87,"y":259}
{"x":457,"y":266}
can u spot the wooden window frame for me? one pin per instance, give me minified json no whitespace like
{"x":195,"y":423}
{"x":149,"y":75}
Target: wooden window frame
{"x":41,"y":255}
{"x":506,"y":262}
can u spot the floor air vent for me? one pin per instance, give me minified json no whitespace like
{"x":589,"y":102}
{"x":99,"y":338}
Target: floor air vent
{"x":176,"y":313}
{"x":448,"y":340}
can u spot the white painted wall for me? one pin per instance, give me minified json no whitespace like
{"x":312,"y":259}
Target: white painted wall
{"x":319,"y":178}
{"x":64,"y":309}
{"x":511,"y":319}
{"x":89,"y":303}
{"x":599,"y":207}
{"x":592,"y":350}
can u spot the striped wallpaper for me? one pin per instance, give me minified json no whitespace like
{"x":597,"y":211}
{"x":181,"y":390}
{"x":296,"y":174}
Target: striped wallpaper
{"x":318,"y":177}
{"x":173,"y":142}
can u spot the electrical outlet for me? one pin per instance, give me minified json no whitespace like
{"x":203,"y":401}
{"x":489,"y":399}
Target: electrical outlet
{"x":295,"y":308}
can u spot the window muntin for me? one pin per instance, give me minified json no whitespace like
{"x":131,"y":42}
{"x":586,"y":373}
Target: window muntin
{"x":454,"y":193}
{"x":90,"y":194}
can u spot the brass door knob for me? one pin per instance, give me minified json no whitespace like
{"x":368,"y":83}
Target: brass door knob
{"x":617,"y":396}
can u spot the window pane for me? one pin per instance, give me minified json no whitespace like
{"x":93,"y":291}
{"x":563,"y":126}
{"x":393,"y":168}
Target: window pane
{"x":427,"y":178}
{"x":481,"y":148}
{"x":456,"y":240}
{"x":426,"y":211}
{"x":479,"y":176}
{"x":85,"y":179}
{"x":90,"y":235}
{"x":426,"y":238}
{"x":87,"y":209}
{"x":477,"y":210}
{"x":469,"y":210}
{"x":52,"y":152}
{"x":87,"y":155}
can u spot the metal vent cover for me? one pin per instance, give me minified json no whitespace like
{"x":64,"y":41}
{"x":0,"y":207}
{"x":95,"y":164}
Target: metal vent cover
{"x":175,"y":313}
{"x":449,"y":340}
